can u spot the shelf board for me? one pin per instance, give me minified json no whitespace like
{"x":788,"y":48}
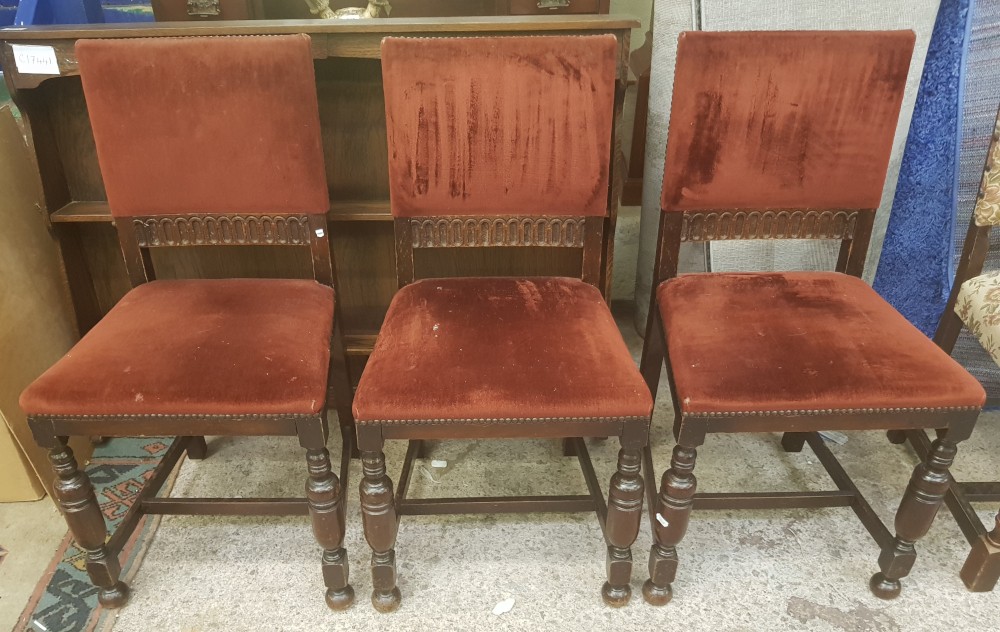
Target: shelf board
{"x":359,"y":211}
{"x":340,"y":211}
{"x":82,"y":212}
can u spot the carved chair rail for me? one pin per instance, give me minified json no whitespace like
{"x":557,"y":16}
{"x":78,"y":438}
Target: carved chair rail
{"x":769,"y":224}
{"x":468,"y":232}
{"x":221,"y":230}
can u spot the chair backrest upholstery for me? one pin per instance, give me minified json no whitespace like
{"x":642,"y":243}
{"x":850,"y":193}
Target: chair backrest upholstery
{"x":987,"y":211}
{"x":209,"y":125}
{"x":516,"y":126}
{"x":501,"y":141}
{"x":783,"y":120}
{"x":208,"y":141}
{"x":780,"y":135}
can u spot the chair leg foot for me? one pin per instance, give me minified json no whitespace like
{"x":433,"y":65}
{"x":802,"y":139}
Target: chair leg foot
{"x":386,"y":602}
{"x":616,"y":596}
{"x":885,"y":588}
{"x":340,"y":599}
{"x":114,"y":597}
{"x":896,"y":437}
{"x":657,"y":590}
{"x":656,"y":595}
{"x":981,"y":570}
{"x":336,"y":576}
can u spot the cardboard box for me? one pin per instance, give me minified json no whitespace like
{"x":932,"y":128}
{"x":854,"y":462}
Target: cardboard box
{"x":37,"y":323}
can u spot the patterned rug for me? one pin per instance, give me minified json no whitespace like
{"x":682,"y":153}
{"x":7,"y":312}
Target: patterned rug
{"x":65,"y":600}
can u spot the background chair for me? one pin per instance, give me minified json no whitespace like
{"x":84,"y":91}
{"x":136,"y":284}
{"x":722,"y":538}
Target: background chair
{"x":974,"y":302}
{"x":500,"y":142}
{"x":227,"y":156}
{"x":786,"y":135}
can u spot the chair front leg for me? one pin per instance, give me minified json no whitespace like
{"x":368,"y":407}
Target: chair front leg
{"x":326,"y":508}
{"x":673,"y":511}
{"x":982,"y":568}
{"x":78,"y":502}
{"x":378,"y":512}
{"x":921,"y":501}
{"x":622,"y":526}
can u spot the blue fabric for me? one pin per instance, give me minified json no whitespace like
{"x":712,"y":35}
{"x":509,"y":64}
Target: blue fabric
{"x":915,"y":272}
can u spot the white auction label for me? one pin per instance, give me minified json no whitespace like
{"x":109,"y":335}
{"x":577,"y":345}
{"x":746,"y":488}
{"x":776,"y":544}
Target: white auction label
{"x":35,"y":60}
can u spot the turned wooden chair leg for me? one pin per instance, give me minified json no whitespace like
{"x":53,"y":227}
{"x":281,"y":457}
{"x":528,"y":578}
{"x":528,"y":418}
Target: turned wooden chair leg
{"x":673,"y":511}
{"x":326,"y":508}
{"x":921,"y":501}
{"x":622,"y":526}
{"x":982,"y":568}
{"x":378,"y":512}
{"x":197,"y":449}
{"x":78,"y":502}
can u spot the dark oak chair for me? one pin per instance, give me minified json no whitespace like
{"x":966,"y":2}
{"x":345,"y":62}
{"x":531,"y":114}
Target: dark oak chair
{"x":226,"y":156}
{"x":499,"y":142}
{"x":787,"y":135}
{"x":975,"y":303}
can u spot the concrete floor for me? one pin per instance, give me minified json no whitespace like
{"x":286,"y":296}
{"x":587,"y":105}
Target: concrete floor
{"x":31,"y":532}
{"x":802,"y":570}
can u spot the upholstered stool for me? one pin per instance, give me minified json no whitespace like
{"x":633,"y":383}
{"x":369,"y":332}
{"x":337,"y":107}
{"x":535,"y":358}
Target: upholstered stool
{"x":974,"y":303}
{"x":788,"y":135}
{"x":226,"y":156}
{"x":500,"y":142}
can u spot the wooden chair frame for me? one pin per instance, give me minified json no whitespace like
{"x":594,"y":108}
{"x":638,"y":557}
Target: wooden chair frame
{"x":324,"y":500}
{"x":670,"y":511}
{"x":982,"y":568}
{"x":619,"y":516}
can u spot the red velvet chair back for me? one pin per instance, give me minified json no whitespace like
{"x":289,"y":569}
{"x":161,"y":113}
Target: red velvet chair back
{"x":209,"y":125}
{"x":499,"y":125}
{"x":499,"y":141}
{"x":783,"y":120}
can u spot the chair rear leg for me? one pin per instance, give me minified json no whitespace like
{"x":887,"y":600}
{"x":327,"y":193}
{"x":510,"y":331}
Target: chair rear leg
{"x":982,"y":568}
{"x":197,"y":449}
{"x":76,"y":498}
{"x":921,"y":501}
{"x":622,"y":525}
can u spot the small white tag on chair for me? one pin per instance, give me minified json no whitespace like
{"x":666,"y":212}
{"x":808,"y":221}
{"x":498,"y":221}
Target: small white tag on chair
{"x":439,"y":463}
{"x":663,"y":521}
{"x":35,"y":60}
{"x":320,"y":232}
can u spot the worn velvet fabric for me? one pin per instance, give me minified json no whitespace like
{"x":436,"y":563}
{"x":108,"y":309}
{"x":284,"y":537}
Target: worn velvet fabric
{"x":497,"y":347}
{"x":499,"y":125}
{"x":208,"y":347}
{"x":771,"y":120}
{"x":800,"y":341}
{"x":205,"y":124}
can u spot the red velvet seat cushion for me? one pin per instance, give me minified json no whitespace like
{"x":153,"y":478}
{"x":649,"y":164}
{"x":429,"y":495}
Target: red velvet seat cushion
{"x":497,"y":348}
{"x":800,"y":341}
{"x":212,"y":347}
